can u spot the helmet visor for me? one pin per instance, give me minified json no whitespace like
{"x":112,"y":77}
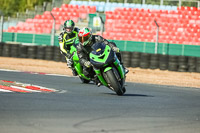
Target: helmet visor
{"x":83,"y":39}
{"x":68,"y":29}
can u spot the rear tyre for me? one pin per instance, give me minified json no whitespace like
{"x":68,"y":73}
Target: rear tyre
{"x":85,"y":81}
{"x":114,"y":83}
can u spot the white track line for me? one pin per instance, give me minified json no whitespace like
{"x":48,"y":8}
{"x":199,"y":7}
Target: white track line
{"x":2,"y":90}
{"x":41,"y":87}
{"x":36,"y":73}
{"x":9,"y":70}
{"x":25,"y":89}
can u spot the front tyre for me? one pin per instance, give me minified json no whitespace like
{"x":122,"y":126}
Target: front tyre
{"x":84,"y":80}
{"x":114,"y":83}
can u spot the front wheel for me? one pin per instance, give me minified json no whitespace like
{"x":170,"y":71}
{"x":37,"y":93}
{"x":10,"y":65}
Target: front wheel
{"x":84,"y":80}
{"x":114,"y":83}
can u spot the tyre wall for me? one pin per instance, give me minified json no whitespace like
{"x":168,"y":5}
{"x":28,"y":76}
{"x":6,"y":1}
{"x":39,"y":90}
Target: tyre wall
{"x":129,"y":59}
{"x":31,"y":51}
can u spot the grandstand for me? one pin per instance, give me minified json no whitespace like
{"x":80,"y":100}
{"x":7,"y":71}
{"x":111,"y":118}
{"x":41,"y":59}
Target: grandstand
{"x":130,"y":22}
{"x":179,"y":26}
{"x":43,"y":23}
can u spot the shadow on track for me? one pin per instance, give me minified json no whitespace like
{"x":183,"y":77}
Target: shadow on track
{"x":130,"y":95}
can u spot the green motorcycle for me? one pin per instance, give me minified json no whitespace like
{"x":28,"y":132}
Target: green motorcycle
{"x":108,"y":68}
{"x":76,"y":65}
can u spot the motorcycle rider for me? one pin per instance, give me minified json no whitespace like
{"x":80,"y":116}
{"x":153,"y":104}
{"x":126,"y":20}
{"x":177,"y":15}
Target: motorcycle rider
{"x":84,"y":48}
{"x":67,"y":38}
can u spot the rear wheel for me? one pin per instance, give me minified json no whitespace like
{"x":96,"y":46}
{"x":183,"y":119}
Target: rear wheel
{"x":84,"y":80}
{"x":114,"y":83}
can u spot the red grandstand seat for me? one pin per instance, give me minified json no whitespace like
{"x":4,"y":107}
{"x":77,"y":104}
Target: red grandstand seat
{"x":47,"y":13}
{"x":64,"y":6}
{"x":38,"y":30}
{"x":75,"y":14}
{"x":75,"y":19}
{"x":189,"y":8}
{"x":46,"y":30}
{"x":57,"y":26}
{"x":83,"y":15}
{"x":181,"y":8}
{"x":55,"y":9}
{"x":73,"y":6}
{"x":61,"y":10}
{"x":43,"y":17}
{"x":29,"y":20}
{"x":110,"y":16}
{"x":92,"y":9}
{"x":106,"y":35}
{"x":37,"y":17}
{"x":12,"y":29}
{"x":63,"y":14}
{"x":55,"y":13}
{"x":66,"y":17}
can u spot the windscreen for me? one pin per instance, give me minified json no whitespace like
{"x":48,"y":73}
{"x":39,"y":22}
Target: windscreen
{"x":98,"y":48}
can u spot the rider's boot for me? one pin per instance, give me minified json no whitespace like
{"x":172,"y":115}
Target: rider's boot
{"x":125,"y":69}
{"x":74,"y":72}
{"x":97,"y":81}
{"x":99,"y":84}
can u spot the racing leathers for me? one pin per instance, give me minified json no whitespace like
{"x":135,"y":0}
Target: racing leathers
{"x":66,"y":40}
{"x":84,"y":51}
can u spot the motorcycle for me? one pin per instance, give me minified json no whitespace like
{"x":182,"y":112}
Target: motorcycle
{"x":108,"y":68}
{"x":76,"y":65}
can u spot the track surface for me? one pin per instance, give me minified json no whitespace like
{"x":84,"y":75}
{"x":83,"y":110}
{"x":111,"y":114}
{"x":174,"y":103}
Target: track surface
{"x":85,"y":108}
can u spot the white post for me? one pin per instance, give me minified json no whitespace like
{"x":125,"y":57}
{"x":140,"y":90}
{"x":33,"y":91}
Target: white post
{"x":179,"y":3}
{"x":161,"y":2}
{"x":1,"y":29}
{"x":157,"y":37}
{"x":53,"y":30}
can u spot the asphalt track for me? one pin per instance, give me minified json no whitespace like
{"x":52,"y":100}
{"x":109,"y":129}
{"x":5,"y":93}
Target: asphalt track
{"x":85,"y":108}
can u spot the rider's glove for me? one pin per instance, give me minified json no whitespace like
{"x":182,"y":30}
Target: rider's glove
{"x":69,"y":63}
{"x":87,"y":64}
{"x":60,"y":38}
{"x":115,"y":49}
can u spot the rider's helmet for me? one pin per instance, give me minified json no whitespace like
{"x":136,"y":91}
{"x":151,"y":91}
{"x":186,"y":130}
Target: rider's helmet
{"x":69,"y":26}
{"x":85,"y":36}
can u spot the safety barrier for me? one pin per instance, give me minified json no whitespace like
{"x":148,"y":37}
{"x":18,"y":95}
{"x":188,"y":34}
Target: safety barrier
{"x":130,"y":59}
{"x":132,"y":46}
{"x":162,"y":62}
{"x":37,"y":39}
{"x":31,"y":51}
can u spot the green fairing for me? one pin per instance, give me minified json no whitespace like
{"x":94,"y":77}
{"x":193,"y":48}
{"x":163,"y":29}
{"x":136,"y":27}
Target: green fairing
{"x":77,"y":65}
{"x":98,"y":72}
{"x":107,"y":68}
{"x":96,"y":58}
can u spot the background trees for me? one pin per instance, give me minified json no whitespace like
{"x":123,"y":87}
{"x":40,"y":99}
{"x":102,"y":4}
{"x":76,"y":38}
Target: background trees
{"x":10,"y":7}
